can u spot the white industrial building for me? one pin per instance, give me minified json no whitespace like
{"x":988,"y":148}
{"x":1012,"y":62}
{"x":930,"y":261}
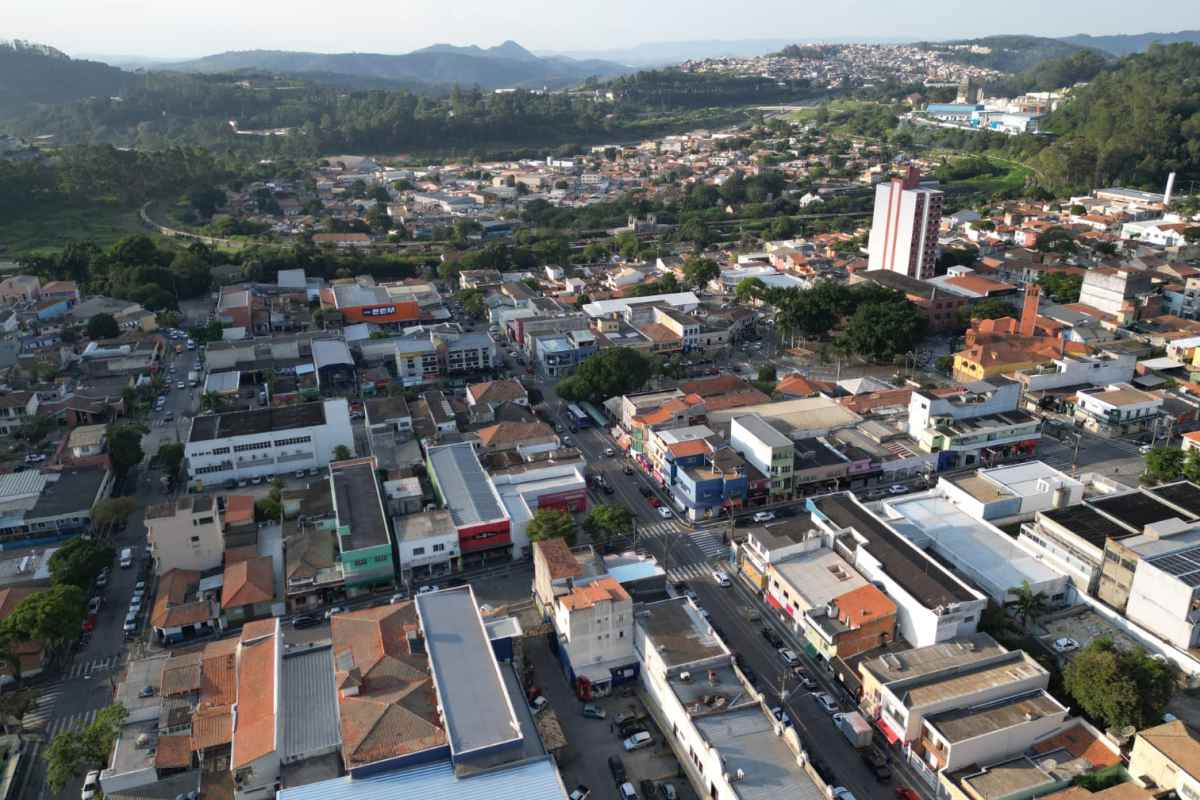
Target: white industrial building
{"x":266,"y":442}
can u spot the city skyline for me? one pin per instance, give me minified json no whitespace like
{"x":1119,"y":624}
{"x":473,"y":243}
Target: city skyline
{"x":174,"y":30}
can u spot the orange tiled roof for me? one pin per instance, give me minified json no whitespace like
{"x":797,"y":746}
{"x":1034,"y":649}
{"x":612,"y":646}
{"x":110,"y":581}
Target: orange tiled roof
{"x":559,"y":560}
{"x":800,"y":386}
{"x":254,"y":736}
{"x":395,"y":709}
{"x":598,"y":591}
{"x":659,"y":333}
{"x":864,"y":604}
{"x":173,"y":752}
{"x":211,"y":728}
{"x":695,"y":447}
{"x":251,"y":580}
{"x":1078,"y":742}
{"x":239,"y":509}
{"x":176,"y":603}
{"x":715,"y":385}
{"x":218,"y":677}
{"x":724,"y":402}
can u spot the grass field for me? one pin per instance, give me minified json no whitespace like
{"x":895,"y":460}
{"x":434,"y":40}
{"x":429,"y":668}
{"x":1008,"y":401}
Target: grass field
{"x":52,"y":227}
{"x":1012,"y":179}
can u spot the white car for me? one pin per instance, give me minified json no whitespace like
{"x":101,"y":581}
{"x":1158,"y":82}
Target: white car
{"x":580,"y":792}
{"x":181,"y":385}
{"x":789,"y":656}
{"x":334,"y":610}
{"x":91,"y":785}
{"x":721,"y":579}
{"x":638,"y":741}
{"x":664,"y":512}
{"x":1065,"y":644}
{"x":539,"y":704}
{"x":764,"y":516}
{"x":825,"y":701}
{"x":608,"y":451}
{"x":842,"y":793}
{"x":895,"y":488}
{"x":433,"y":587}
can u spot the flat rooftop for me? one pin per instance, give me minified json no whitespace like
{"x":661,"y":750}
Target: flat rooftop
{"x":970,"y":680}
{"x":1136,"y":509}
{"x":463,"y":484}
{"x":968,"y":723}
{"x":1088,"y":524}
{"x":1020,"y":775}
{"x":310,"y":712}
{"x":746,"y":740}
{"x":470,"y":689}
{"x":532,"y":779}
{"x":920,"y":576}
{"x":906,"y":664}
{"x":260,"y":420}
{"x":678,"y":632}
{"x":819,"y":576}
{"x":1184,"y":494}
{"x":357,"y":503}
{"x":990,"y":558}
{"x":784,"y":532}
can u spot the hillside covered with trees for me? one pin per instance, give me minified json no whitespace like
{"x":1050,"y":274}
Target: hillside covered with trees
{"x":33,"y":75}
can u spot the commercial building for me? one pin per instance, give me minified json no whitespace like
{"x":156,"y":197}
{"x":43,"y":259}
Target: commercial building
{"x":266,"y":442}
{"x":1115,"y":291}
{"x":467,"y":492}
{"x":1118,"y":410}
{"x":557,"y":355}
{"x":976,"y":426}
{"x":40,"y":507}
{"x":771,"y":453}
{"x":1166,"y":757}
{"x":975,"y":549}
{"x":932,"y":604}
{"x":594,"y":622}
{"x":363,"y":540}
{"x":427,"y":545}
{"x":904,"y":229}
{"x":363,"y":301}
{"x":1009,"y":493}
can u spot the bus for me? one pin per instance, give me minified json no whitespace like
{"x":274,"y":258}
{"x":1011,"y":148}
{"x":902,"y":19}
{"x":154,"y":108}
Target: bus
{"x":597,"y":418}
{"x":577,"y":418}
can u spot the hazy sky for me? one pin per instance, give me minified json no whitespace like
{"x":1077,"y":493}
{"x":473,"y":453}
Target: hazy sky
{"x":178,"y":29}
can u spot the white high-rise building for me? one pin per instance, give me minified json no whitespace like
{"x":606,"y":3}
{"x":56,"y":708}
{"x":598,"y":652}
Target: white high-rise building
{"x":905,"y":227}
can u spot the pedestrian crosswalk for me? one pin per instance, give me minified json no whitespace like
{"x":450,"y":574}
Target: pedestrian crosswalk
{"x":80,"y":719}
{"x":47,"y":697}
{"x":707,"y":541}
{"x":95,"y":665}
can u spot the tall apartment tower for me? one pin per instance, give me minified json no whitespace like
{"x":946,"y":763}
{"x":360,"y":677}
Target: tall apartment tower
{"x":904,"y":233}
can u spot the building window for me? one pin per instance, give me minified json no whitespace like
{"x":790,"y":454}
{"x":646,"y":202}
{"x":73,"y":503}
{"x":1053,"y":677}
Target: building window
{"x":195,"y":539}
{"x":437,"y":548}
{"x":360,"y":562}
{"x":380,"y":559}
{"x":418,"y":551}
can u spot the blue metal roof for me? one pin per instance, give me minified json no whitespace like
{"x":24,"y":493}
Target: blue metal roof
{"x":532,"y":780}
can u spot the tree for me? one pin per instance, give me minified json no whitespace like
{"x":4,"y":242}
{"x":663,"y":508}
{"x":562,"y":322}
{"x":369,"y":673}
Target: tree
{"x":990,"y":308}
{"x":611,"y":372}
{"x":342,"y":453}
{"x":1192,"y":235}
{"x":551,"y":523}
{"x":52,"y":616}
{"x":767,"y":373}
{"x":125,"y":447}
{"x":73,"y":751}
{"x":113,"y":511}
{"x":103,"y":326}
{"x":79,"y":561}
{"x":472,"y":302}
{"x":1164,"y":464}
{"x":1119,"y":687}
{"x":1030,"y":604}
{"x":749,"y":289}
{"x":1061,"y":287}
{"x":170,"y":456}
{"x":880,"y":331}
{"x":699,"y":271}
{"x":606,"y":522}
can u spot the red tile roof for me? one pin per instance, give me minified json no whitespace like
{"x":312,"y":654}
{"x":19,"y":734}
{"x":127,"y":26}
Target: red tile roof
{"x":560,"y":562}
{"x":258,"y":660}
{"x":598,"y":591}
{"x":247,"y":582}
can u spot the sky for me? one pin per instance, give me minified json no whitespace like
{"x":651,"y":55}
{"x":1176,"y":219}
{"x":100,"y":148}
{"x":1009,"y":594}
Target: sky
{"x":178,"y":29}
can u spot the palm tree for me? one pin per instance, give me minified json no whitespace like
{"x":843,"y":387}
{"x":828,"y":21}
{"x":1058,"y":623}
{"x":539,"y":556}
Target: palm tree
{"x":1030,"y":604}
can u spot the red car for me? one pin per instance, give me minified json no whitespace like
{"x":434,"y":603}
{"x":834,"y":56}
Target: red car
{"x":90,"y":623}
{"x":655,"y":502}
{"x":905,"y":793}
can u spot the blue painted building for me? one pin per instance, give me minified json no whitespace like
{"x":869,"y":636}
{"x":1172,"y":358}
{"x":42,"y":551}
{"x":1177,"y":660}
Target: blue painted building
{"x":710,"y":487}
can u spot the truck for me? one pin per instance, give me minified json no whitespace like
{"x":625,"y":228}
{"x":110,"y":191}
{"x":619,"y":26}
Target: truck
{"x":193,"y":378}
{"x":856,"y":729}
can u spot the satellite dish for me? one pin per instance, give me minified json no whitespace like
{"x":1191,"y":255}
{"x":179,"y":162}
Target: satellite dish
{"x":1127,"y":731}
{"x":1050,"y":764}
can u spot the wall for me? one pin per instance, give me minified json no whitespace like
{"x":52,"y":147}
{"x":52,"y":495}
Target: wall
{"x":995,"y":745}
{"x":174,"y":548}
{"x":1161,"y":604}
{"x":600,"y":633}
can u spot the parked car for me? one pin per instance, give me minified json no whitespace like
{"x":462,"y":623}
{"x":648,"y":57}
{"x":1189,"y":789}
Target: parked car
{"x":773,"y":638}
{"x":1065,"y":644}
{"x":764,"y":516}
{"x":645,"y":491}
{"x":397,"y":598}
{"x":147,"y":691}
{"x":905,"y":793}
{"x":878,"y":764}
{"x":305,"y":621}
{"x":801,"y":676}
{"x":335,"y":610}
{"x":617,"y":768}
{"x":826,"y":702}
{"x":842,"y":793}
{"x":580,"y":792}
{"x":781,"y":715}
{"x":638,"y":741}
{"x":539,"y":704}
{"x":654,"y":501}
{"x":896,"y":488}
{"x":664,"y":512}
{"x":789,"y":656}
{"x":668,"y":791}
{"x":627,"y":470}
{"x":721,"y":579}
{"x":91,"y":785}
{"x":432,"y":587}
{"x":593,"y":711}
{"x":609,"y":452}
{"x":627,"y":792}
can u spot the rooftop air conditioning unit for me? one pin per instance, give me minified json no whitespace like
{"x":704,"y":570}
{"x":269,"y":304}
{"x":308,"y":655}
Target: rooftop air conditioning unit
{"x":684,"y":677}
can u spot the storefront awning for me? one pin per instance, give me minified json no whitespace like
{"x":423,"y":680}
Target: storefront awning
{"x":886,"y":729}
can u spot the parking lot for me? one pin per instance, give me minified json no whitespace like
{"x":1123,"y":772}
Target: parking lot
{"x":590,"y":742}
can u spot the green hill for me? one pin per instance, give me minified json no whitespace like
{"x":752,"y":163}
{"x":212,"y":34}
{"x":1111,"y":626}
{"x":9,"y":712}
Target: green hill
{"x":35,"y":75}
{"x":1129,"y":43}
{"x":1013,"y":54}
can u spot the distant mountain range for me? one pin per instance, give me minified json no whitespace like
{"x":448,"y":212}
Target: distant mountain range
{"x":655,"y":54}
{"x":1128,"y":43}
{"x":507,"y":65}
{"x":36,"y":74}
